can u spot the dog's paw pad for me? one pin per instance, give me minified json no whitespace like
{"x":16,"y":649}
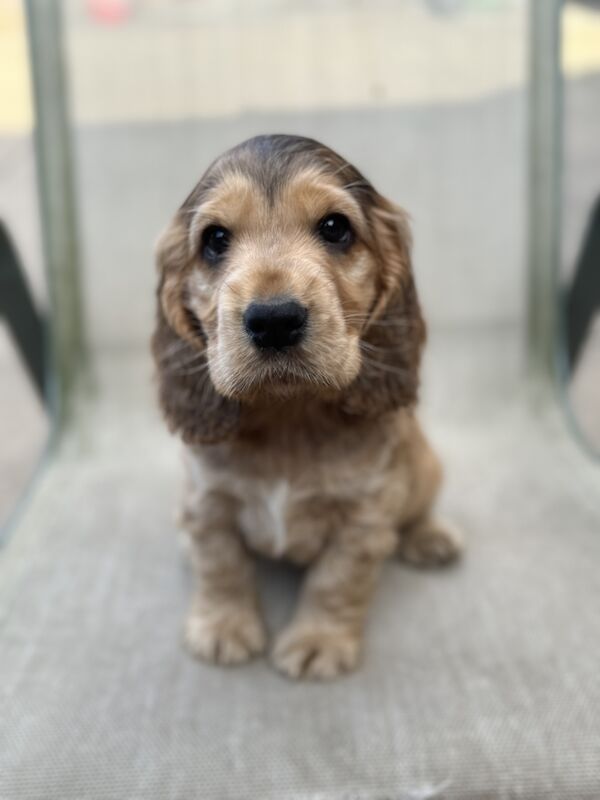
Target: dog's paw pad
{"x":314,"y":653}
{"x":232,"y":636}
{"x":431,"y":543}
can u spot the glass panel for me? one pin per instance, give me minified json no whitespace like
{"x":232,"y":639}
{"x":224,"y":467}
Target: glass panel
{"x":581,"y":214}
{"x":23,"y":421}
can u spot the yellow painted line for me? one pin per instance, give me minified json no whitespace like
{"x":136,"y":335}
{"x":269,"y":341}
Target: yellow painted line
{"x":581,"y":41}
{"x":15,"y":95}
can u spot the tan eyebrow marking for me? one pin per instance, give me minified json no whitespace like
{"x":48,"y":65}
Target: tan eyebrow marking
{"x":316,"y":195}
{"x":230,"y":201}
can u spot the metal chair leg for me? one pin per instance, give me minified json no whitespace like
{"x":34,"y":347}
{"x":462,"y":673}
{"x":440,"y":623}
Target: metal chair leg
{"x":25,"y":322}
{"x":583,"y":296}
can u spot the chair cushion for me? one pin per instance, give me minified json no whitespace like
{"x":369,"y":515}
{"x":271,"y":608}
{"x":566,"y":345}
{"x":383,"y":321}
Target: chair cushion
{"x":479,"y":681}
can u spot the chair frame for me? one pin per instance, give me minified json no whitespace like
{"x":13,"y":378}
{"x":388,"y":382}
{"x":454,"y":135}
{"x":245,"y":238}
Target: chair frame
{"x":67,"y":344}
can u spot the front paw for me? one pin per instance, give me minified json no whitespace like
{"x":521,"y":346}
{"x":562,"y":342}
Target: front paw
{"x":315,"y":651}
{"x":228,"y":635}
{"x":430,"y":543}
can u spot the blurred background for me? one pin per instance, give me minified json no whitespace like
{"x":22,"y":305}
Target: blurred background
{"x":427,"y":97}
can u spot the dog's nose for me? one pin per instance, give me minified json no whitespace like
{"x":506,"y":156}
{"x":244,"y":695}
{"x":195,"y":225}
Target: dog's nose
{"x":276,"y":324}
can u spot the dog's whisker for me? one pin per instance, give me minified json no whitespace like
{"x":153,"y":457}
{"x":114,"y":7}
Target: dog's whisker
{"x":187,"y":372}
{"x":175,"y":347}
{"x":378,"y":349}
{"x":190,"y":358}
{"x":180,"y":356}
{"x":231,"y":288}
{"x":390,"y":368}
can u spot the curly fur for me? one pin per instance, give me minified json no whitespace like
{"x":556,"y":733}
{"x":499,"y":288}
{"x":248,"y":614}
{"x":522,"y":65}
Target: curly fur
{"x":314,"y":455}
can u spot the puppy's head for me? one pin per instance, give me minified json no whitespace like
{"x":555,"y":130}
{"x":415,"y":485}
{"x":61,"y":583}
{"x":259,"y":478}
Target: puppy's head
{"x":284,"y":274}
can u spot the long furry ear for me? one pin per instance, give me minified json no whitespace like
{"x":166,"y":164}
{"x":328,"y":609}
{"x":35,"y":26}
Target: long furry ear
{"x":395,"y":333}
{"x":189,"y":401}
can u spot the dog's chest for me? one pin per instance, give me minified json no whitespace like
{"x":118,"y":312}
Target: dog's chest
{"x":281,"y":515}
{"x":289,"y":507}
{"x":275,"y":519}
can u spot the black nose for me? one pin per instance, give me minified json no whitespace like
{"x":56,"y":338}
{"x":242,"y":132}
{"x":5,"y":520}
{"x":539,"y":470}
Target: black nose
{"x":276,"y":324}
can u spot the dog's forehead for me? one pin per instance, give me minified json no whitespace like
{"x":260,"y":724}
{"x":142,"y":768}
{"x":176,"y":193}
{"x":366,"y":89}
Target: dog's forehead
{"x":241,"y":199}
{"x":272,"y":161}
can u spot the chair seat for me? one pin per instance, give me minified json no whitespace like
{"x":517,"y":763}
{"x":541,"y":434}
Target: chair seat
{"x":479,"y":681}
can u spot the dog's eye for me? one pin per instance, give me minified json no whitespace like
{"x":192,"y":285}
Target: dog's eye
{"x":336,"y":229}
{"x":215,"y":241}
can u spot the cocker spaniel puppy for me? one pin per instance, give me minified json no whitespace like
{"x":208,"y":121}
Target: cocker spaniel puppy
{"x":288,"y":343}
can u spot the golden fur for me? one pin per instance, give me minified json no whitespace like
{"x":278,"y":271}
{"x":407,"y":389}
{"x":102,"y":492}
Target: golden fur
{"x":311,"y":454}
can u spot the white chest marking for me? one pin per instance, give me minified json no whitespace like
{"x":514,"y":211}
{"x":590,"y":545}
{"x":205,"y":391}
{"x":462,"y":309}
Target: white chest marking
{"x":276,"y":502}
{"x":264,"y":504}
{"x":263,"y":516}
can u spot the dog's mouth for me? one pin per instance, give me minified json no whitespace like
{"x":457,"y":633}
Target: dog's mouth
{"x":286,"y":369}
{"x":272,"y":372}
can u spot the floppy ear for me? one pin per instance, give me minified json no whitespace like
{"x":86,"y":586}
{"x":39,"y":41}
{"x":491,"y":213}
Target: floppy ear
{"x":189,"y":401}
{"x":393,"y":338}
